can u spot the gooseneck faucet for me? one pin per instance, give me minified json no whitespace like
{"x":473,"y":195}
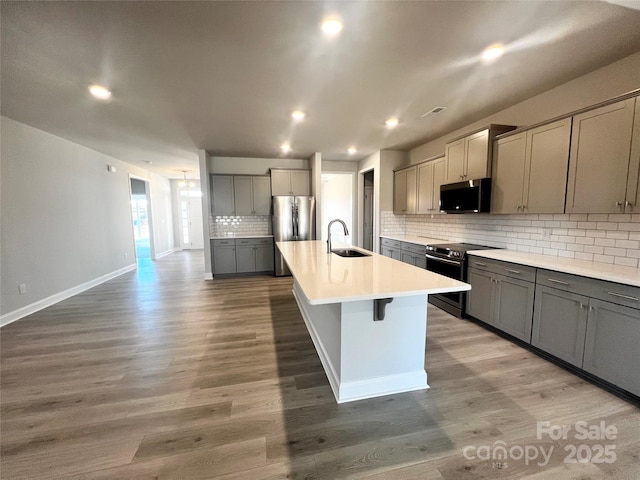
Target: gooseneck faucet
{"x":346,"y":232}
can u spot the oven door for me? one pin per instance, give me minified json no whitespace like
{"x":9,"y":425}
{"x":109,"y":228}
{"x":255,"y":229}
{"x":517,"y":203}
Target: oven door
{"x":448,"y":268}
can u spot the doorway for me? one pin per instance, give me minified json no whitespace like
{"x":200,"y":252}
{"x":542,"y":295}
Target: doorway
{"x":190,"y":219}
{"x":337,"y":202}
{"x":367,"y":221}
{"x":141,"y":218}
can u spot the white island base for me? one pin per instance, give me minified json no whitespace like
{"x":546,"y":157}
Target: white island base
{"x":363,"y":357}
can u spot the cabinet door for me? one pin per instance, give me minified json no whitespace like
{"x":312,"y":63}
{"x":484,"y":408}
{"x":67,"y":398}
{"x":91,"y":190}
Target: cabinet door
{"x":439,"y":178}
{"x":476,"y":155}
{"x":222,"y":201}
{"x":245,"y":259}
{"x":545,"y":173}
{"x":599,"y":161}
{"x":480,"y":298}
{"x":514,"y":307}
{"x":400,"y":192}
{"x":386,"y":251}
{"x":280,"y":182}
{"x":261,"y":195}
{"x":560,"y":323}
{"x":224,"y":260}
{"x":412,"y":189}
{"x":243,"y":195}
{"x":300,"y":182}
{"x":396,"y":254}
{"x":454,"y":154}
{"x":633,"y":182}
{"x":420,"y":261}
{"x":425,"y":188}
{"x":264,"y":258}
{"x":508,"y":174}
{"x":611,"y":348}
{"x":407,"y":257}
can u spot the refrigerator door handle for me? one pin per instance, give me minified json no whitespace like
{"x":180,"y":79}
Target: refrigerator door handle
{"x":294,"y":219}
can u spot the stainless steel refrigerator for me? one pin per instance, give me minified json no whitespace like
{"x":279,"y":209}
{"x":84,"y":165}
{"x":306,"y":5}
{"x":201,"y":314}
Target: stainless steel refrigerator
{"x":294,"y":218}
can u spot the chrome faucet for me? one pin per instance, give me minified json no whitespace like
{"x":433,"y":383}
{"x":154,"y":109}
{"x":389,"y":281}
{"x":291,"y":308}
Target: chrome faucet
{"x":346,"y":232}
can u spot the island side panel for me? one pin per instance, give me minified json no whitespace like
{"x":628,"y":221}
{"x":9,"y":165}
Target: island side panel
{"x":383,"y":357}
{"x":324,"y":326}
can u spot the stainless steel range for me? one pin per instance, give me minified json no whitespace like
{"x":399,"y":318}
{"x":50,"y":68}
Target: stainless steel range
{"x":450,"y":260}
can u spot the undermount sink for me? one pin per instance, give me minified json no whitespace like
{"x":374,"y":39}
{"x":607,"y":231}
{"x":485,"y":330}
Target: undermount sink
{"x":350,"y":252}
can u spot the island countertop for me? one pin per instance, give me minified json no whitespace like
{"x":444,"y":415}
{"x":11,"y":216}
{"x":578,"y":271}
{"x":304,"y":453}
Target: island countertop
{"x":328,"y":278}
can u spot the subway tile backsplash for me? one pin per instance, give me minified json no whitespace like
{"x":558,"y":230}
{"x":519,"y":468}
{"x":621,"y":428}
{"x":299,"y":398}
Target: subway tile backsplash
{"x":222,"y":226}
{"x":612,"y":238}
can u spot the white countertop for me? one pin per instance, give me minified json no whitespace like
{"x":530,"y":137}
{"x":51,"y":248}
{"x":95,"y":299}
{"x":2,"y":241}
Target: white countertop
{"x":224,"y":237}
{"x":584,"y":268}
{"x":328,"y":278}
{"x":414,"y":239}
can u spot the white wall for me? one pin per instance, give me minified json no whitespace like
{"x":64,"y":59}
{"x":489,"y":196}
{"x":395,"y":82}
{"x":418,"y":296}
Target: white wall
{"x":252,"y":166}
{"x":598,"y":86}
{"x":66,"y":220}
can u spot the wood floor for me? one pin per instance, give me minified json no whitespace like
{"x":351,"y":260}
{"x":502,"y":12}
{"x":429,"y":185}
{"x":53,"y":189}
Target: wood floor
{"x":161,"y":375}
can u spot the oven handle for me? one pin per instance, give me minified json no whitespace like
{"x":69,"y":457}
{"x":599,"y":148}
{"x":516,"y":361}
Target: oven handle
{"x":443,"y":260}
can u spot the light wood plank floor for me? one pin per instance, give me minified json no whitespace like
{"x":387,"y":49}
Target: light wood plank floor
{"x":161,"y":375}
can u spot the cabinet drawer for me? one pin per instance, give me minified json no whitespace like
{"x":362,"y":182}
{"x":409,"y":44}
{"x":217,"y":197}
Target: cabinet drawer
{"x":224,"y":242}
{"x":254,"y":241}
{"x":413,"y":248}
{"x":507,"y":269}
{"x":386,"y":242}
{"x":617,"y":293}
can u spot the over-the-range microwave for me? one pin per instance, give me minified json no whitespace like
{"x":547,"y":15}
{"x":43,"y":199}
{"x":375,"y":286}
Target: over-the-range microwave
{"x":470,"y":196}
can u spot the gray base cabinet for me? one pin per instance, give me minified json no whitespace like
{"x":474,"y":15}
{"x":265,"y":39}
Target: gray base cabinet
{"x":242,"y":255}
{"x":406,"y":252}
{"x":224,"y":256}
{"x":560,"y":323}
{"x":502,"y":295}
{"x":612,"y":346}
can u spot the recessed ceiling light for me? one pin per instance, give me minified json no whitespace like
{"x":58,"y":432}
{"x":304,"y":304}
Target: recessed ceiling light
{"x":298,"y":115}
{"x":391,"y":123}
{"x":100,"y":92}
{"x":351,"y":150}
{"x":285,"y":147}
{"x":492,"y":52}
{"x":331,"y":27}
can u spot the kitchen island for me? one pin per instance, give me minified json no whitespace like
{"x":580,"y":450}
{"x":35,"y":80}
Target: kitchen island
{"x":367,"y":317}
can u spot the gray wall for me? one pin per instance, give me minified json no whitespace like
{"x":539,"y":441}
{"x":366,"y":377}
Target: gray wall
{"x":607,"y":82}
{"x":66,"y":220}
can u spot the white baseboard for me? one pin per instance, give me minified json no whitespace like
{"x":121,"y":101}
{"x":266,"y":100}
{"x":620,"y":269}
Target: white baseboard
{"x":166,"y":252}
{"x":22,"y":312}
{"x":208,"y":276}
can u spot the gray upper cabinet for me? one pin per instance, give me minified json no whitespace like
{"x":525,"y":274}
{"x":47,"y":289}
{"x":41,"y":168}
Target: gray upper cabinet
{"x":599,"y":165}
{"x":431,"y":175}
{"x":611,"y":348}
{"x":530,"y":170}
{"x":290,"y":182}
{"x":252,"y":195}
{"x":405,"y":190}
{"x":633,"y":182}
{"x":222,"y":197}
{"x":470,"y":157}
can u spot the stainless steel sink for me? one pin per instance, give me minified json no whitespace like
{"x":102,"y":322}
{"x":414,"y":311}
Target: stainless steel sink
{"x":350,"y":252}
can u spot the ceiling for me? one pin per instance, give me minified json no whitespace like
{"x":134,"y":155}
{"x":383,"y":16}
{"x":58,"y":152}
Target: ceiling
{"x":225,"y":76}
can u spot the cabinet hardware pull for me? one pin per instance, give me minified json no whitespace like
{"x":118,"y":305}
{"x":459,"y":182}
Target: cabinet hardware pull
{"x":626,"y":297}
{"x":618,"y":204}
{"x":481,"y":264}
{"x":582,"y":306}
{"x":517,"y":272}
{"x":553,"y":280}
{"x":628,"y":204}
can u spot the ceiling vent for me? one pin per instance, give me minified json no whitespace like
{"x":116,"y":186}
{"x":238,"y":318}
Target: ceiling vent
{"x":433,"y":112}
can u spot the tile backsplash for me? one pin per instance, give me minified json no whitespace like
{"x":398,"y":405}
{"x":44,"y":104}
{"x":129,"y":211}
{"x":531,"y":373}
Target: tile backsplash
{"x":606,"y":238}
{"x":222,"y":226}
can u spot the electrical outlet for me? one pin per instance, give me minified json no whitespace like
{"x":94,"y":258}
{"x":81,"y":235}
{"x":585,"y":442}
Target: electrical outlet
{"x":546,"y":233}
{"x":126,"y":255}
{"x":22,"y":288}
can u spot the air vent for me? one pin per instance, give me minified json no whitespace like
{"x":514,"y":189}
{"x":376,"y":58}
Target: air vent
{"x":433,"y":112}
